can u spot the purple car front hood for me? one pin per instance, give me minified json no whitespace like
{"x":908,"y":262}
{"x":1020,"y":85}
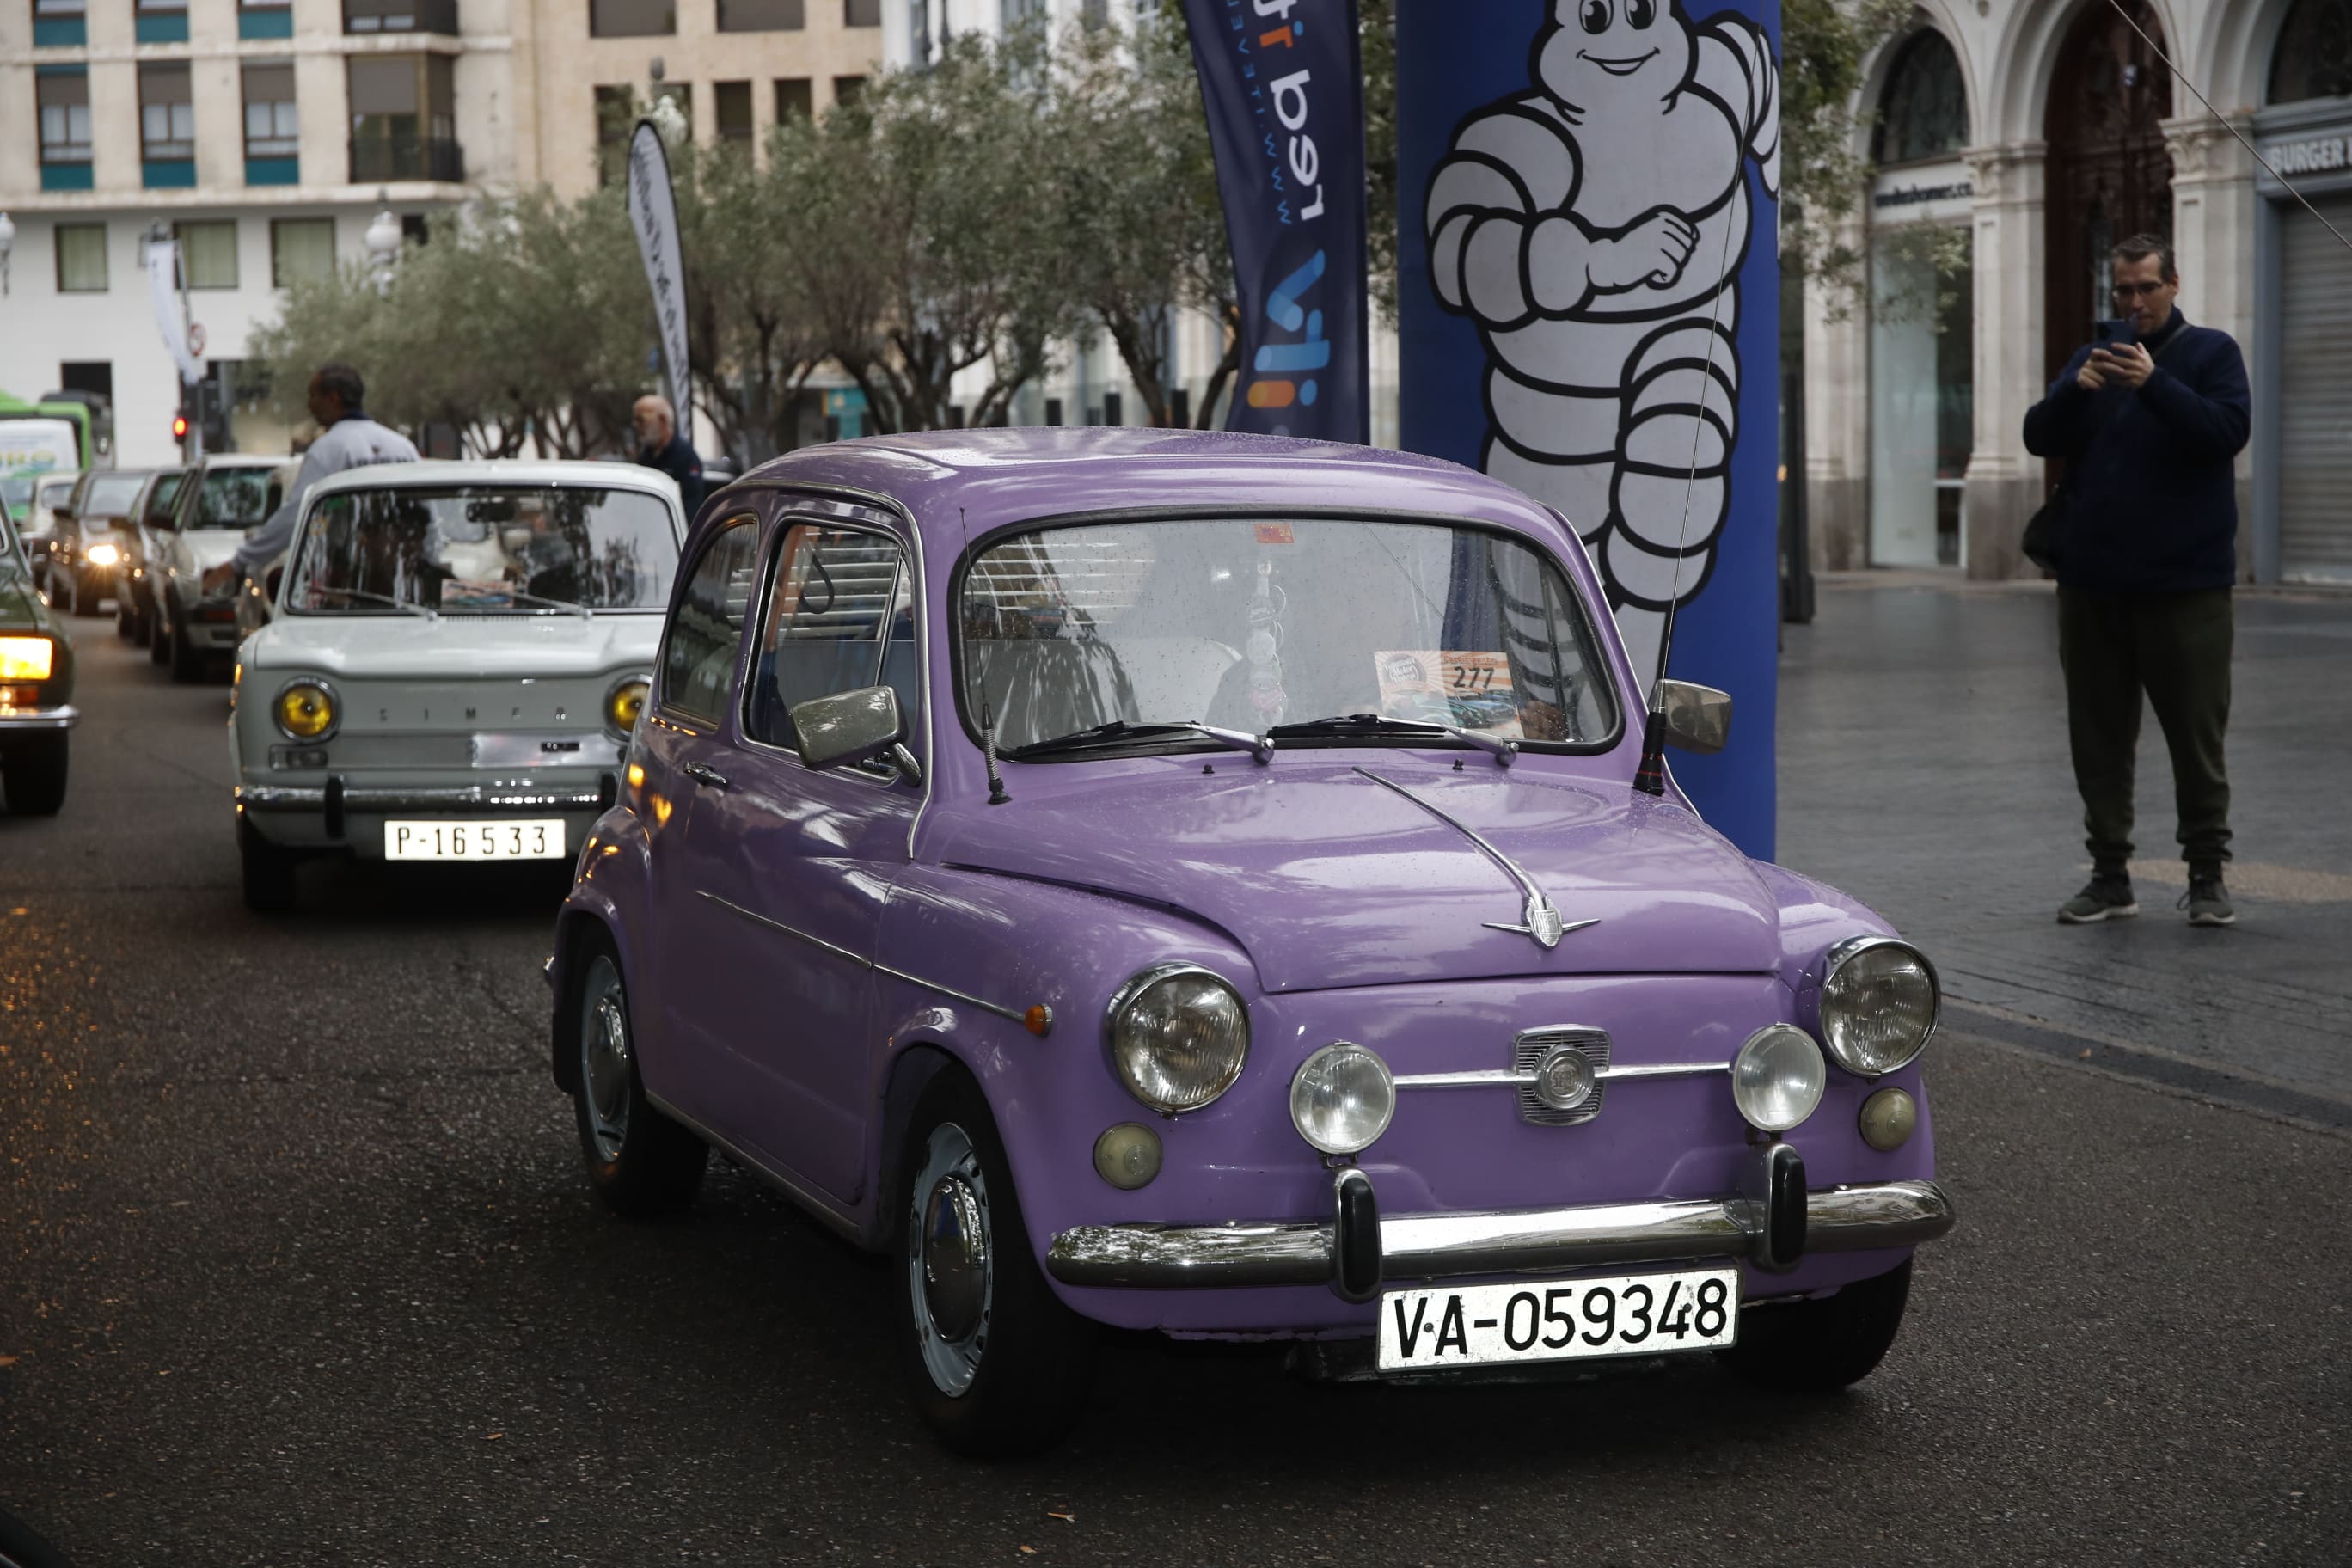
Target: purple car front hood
{"x":1328,"y":879}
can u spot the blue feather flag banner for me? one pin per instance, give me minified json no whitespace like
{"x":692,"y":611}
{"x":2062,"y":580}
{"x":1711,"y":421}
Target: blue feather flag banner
{"x":1284,"y":90}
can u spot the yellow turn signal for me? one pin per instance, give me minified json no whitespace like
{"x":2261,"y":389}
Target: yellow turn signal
{"x":627,"y":701}
{"x":26,"y":658}
{"x":305,"y":710}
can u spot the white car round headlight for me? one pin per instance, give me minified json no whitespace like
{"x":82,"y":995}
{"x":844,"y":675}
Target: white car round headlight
{"x":1778,"y":1077}
{"x":102,"y":554}
{"x":1179,"y":1036}
{"x":1879,"y":1004}
{"x":1342,"y":1098}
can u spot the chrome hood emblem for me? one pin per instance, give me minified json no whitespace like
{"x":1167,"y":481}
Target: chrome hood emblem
{"x":1540,"y":919}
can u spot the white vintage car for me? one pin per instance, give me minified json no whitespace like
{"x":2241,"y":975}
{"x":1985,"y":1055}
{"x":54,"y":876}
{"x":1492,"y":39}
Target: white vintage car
{"x":457,"y":654}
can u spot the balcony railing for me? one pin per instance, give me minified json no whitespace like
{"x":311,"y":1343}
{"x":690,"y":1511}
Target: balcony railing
{"x":401,"y":16}
{"x":406,"y":158}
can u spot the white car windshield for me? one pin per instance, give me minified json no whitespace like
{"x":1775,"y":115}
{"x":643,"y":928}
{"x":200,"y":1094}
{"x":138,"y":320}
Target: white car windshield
{"x":1326,"y":629}
{"x":231,"y":498}
{"x":112,"y":496}
{"x":483,"y":549}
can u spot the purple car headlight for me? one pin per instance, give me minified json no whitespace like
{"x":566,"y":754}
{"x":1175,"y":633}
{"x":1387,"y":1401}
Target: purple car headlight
{"x":1879,"y":1004}
{"x":1177,"y":1035}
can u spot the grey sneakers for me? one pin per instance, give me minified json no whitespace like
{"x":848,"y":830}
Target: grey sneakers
{"x":2102,"y":899}
{"x":2208,"y":902}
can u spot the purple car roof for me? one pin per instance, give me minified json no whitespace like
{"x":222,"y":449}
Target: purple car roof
{"x":962,"y":483}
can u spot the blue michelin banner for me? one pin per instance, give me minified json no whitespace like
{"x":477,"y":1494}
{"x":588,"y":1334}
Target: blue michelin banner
{"x":1285,"y":98}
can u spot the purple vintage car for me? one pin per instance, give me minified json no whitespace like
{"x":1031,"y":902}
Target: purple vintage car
{"x":1198,"y":882}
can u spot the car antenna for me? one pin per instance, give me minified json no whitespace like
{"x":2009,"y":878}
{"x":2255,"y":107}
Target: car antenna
{"x":996,"y":796}
{"x":1650,"y":777}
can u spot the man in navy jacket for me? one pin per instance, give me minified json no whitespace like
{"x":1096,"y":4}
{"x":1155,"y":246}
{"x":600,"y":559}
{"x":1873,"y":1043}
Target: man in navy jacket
{"x":2149,"y":426}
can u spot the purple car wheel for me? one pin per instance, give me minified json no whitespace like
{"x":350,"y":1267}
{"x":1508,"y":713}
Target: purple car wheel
{"x":640,"y":1161}
{"x":996,"y":1363}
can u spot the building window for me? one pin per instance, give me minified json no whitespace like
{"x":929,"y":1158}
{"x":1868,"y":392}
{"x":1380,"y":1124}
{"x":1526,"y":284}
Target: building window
{"x":1924,"y":113}
{"x":63,"y":97}
{"x":793,"y":99}
{"x":730,"y":105}
{"x":161,"y":22}
{"x":631,"y":18}
{"x":265,"y":19}
{"x":761,"y":16}
{"x":167,"y":118}
{"x":59,"y":24}
{"x":861,"y":12}
{"x":270,"y":126}
{"x":209,"y":253}
{"x":2315,"y":52}
{"x":403,"y":119}
{"x":401,"y":16}
{"x":849,"y":89}
{"x":82,"y":258}
{"x":301,"y":250}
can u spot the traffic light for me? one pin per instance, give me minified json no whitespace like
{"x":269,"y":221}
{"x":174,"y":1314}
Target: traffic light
{"x":212,"y":414}
{"x":179,"y":426}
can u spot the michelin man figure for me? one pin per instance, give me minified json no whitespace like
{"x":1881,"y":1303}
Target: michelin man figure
{"x":1595,"y":230}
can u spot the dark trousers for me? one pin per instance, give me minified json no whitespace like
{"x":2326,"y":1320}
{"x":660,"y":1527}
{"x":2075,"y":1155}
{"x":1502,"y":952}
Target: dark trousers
{"x":2176,"y":649}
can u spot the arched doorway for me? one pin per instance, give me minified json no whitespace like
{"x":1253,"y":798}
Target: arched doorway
{"x":2108,"y":174}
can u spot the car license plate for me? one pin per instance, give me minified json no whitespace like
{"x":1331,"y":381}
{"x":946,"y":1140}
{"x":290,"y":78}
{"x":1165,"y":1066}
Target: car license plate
{"x":1633,"y":1314}
{"x":509,"y":838}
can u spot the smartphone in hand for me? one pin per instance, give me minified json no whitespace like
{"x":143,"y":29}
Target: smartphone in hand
{"x":2112,"y":336}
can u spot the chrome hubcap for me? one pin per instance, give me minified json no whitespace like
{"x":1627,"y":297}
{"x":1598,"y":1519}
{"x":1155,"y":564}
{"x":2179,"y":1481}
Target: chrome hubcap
{"x":950,"y":1274}
{"x":604,"y":1059}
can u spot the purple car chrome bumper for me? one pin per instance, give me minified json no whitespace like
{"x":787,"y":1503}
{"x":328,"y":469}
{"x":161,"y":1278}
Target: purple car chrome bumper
{"x":1772,"y":1224}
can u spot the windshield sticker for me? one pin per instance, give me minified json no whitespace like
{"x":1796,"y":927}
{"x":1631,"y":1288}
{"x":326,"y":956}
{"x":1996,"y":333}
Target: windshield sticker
{"x":1464,"y":688}
{"x":1274,"y":534}
{"x":475,"y":594}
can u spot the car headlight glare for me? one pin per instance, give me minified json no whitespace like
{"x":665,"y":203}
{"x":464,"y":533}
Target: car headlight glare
{"x":625,"y":703}
{"x":27,"y":658}
{"x":1342,"y":1098}
{"x":305,"y":710}
{"x":1879,"y":1004}
{"x":102,"y":555}
{"x":1179,"y":1036}
{"x":1778,"y":1077}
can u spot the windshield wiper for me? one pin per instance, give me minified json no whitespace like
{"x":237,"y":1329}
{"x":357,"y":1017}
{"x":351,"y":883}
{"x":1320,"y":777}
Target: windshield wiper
{"x":585,"y":613}
{"x":1495,"y":746}
{"x":382,"y":599}
{"x":1120,"y":732}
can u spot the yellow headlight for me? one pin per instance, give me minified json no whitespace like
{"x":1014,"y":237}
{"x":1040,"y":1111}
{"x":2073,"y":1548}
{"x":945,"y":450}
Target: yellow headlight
{"x":305,"y":710}
{"x":628,"y":700}
{"x":26,"y":658}
{"x":103,"y":555}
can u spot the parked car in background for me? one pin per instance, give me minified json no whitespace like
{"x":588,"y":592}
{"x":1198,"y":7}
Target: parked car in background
{"x":254,"y":596}
{"x":97,"y":537}
{"x":195,"y":632}
{"x":1058,"y":860}
{"x":38,"y":535}
{"x":459,"y":654}
{"x":134,"y":604}
{"x":36,"y":682}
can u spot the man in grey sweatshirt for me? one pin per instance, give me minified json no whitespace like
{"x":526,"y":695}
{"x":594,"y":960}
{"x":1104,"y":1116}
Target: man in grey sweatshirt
{"x":352,"y":440}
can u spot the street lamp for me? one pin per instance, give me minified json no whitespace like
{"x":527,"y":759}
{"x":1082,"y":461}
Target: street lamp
{"x":382,"y":241}
{"x":7,"y":244}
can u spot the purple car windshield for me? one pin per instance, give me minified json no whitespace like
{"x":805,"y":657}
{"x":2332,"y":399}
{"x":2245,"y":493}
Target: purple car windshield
{"x":1251,"y":624}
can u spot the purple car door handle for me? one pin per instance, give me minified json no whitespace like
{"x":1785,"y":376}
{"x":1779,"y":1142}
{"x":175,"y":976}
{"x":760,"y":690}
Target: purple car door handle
{"x":702,"y":774}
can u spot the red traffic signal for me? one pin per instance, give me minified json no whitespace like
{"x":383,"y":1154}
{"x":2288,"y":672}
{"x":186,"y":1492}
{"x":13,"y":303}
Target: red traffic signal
{"x":179,"y":426}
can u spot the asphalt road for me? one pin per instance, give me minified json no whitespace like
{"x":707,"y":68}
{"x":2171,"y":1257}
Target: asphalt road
{"x":297,"y":1266}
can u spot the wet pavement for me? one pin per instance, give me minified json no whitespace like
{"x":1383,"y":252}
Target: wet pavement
{"x":297,"y":1265}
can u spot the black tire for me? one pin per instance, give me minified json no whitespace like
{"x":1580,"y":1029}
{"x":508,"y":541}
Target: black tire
{"x":21,"y":1546}
{"x":268,"y":872}
{"x":187,"y":660}
{"x":159,"y":636}
{"x":126,"y":615}
{"x":1822,"y":1346}
{"x":34,"y":770}
{"x":640,"y":1163}
{"x":1024,"y":1361}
